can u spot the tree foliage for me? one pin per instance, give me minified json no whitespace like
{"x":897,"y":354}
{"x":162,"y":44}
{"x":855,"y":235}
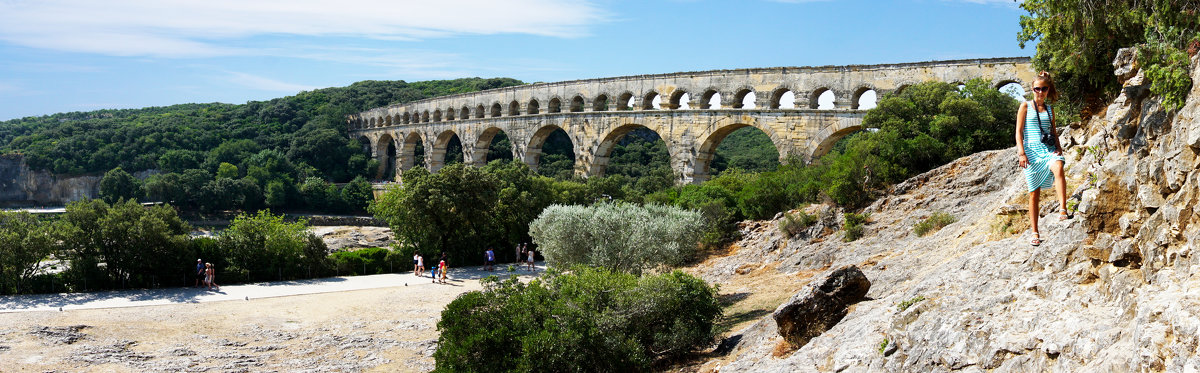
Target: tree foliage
{"x":124,"y":244}
{"x":263,"y":247}
{"x":1077,"y":40}
{"x":586,"y":320}
{"x":25,"y":242}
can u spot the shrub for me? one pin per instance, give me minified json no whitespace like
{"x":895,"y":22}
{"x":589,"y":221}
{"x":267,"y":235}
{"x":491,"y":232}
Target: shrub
{"x":124,"y":244}
{"x":589,"y":320}
{"x":854,"y":225}
{"x":933,"y":223}
{"x":792,"y":224}
{"x":622,"y":237}
{"x":369,"y":261}
{"x":24,"y":242}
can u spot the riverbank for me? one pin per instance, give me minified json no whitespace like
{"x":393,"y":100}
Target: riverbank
{"x":334,"y":324}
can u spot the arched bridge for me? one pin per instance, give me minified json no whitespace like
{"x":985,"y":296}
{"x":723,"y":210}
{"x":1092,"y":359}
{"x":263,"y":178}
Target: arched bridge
{"x":691,"y":111}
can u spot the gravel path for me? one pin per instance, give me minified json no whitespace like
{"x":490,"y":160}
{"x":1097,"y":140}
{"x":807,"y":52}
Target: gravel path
{"x":345,"y":324}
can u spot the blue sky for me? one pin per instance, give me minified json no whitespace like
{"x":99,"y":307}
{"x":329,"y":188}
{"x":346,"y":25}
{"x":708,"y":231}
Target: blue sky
{"x":82,"y":55}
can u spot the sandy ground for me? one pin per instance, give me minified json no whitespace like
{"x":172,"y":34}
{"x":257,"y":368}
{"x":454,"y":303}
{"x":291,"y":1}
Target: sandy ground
{"x":385,"y":329}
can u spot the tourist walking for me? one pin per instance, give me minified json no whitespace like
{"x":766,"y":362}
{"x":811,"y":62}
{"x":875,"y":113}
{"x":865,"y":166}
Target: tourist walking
{"x":530,"y":260}
{"x":442,"y":269}
{"x":418,"y":264}
{"x":490,"y":258}
{"x":198,"y":273}
{"x":210,"y":277}
{"x":1039,"y":151}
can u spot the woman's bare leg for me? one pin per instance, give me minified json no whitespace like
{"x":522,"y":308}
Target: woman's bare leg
{"x":1060,"y":184}
{"x":1034,"y":199}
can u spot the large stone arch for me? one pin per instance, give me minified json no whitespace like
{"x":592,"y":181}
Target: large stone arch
{"x":437,"y":156}
{"x":822,"y":142}
{"x":385,"y":152}
{"x":709,"y":140}
{"x":408,"y":150}
{"x":533,"y":147}
{"x":483,"y":144}
{"x":599,"y":156}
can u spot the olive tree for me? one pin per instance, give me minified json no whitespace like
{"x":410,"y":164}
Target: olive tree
{"x":622,"y":237}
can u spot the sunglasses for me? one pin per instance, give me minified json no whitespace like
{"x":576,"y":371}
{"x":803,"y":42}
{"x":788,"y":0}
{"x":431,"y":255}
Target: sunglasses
{"x":1041,"y":89}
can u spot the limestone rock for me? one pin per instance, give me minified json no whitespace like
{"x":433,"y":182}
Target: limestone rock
{"x":816,"y":309}
{"x":1125,"y":63}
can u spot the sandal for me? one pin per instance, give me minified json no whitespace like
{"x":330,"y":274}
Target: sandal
{"x":1062,"y":215}
{"x":1037,"y":240}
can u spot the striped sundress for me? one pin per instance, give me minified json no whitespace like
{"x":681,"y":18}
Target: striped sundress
{"x":1037,"y":174}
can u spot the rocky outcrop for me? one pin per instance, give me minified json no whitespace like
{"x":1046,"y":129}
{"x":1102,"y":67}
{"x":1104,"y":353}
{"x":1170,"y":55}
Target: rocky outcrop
{"x":818,"y":308}
{"x":21,"y":186}
{"x":1112,"y":289}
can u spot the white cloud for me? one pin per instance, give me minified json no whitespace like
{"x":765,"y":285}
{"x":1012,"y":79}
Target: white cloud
{"x":266,"y":84}
{"x":187,"y":28}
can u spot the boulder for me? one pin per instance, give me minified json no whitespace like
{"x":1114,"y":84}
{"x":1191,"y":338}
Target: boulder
{"x":819,"y":307}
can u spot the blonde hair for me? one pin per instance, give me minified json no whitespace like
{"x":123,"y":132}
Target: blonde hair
{"x":1044,"y":76}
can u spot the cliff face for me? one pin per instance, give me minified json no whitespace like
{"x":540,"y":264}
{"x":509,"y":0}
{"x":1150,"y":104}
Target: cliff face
{"x":1116,"y":288}
{"x":20,"y":186}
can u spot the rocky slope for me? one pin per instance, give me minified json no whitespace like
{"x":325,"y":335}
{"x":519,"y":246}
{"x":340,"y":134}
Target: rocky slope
{"x":1115,"y":288}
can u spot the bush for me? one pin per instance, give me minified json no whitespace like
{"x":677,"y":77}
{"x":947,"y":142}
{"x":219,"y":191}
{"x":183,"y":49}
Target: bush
{"x":588,"y":320}
{"x":621,"y":237}
{"x":792,"y":225}
{"x":854,"y":225}
{"x":933,"y":223}
{"x":124,"y":245}
{"x":24,"y":243}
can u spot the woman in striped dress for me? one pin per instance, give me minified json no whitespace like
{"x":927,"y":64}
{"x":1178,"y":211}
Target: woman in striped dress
{"x":1043,"y":163}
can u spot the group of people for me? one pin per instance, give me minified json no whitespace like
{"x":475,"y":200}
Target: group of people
{"x":206,"y":275}
{"x":526,"y":252}
{"x":437,"y":273}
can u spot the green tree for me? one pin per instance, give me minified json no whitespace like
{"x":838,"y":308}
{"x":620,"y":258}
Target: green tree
{"x":228,"y":171}
{"x":358,"y":194}
{"x":139,"y":246}
{"x":264,"y":247}
{"x":1078,"y":41}
{"x":117,"y":184}
{"x":451,"y":211}
{"x":24,"y":243}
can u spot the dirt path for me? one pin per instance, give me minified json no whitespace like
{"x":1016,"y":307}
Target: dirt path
{"x":386,"y":329}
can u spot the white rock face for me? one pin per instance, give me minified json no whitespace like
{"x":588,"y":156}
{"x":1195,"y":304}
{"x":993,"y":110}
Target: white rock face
{"x":1115,"y":289}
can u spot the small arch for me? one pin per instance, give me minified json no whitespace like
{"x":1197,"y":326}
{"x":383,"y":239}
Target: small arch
{"x":1012,"y":88}
{"x":651,"y":101}
{"x":783,"y":98}
{"x":745,"y":98}
{"x":496,"y":108}
{"x":387,"y":120}
{"x":479,"y":113}
{"x":679,"y":100}
{"x":577,"y":104}
{"x":465,"y":113}
{"x":600,"y":103}
{"x":864,"y":98}
{"x":514,"y":108}
{"x":425,"y":116}
{"x":533,"y":106}
{"x":371,"y":124}
{"x":555,"y":105}
{"x":625,"y":101}
{"x":437,"y":115}
{"x":407,"y":118}
{"x":710,"y":100}
{"x":450,"y":114}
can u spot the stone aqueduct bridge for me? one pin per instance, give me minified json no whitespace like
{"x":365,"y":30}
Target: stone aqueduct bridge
{"x":595,"y":113}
